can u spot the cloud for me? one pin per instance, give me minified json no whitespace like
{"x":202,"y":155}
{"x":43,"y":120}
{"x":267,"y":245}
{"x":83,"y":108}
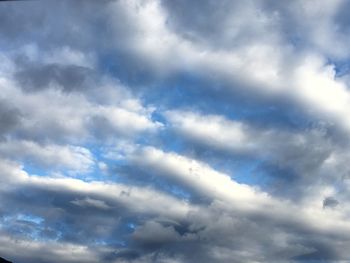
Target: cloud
{"x":9,"y":117}
{"x":199,"y":176}
{"x":72,"y":158}
{"x":43,"y":251}
{"x":61,"y":215}
{"x":174,"y":131}
{"x":330,"y":202}
{"x":71,"y":116}
{"x":269,"y":74}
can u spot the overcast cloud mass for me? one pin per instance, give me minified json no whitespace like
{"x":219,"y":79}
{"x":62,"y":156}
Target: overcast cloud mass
{"x":175,"y":131}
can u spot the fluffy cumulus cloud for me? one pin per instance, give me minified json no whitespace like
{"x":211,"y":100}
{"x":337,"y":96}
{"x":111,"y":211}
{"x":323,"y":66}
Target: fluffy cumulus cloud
{"x":174,"y":131}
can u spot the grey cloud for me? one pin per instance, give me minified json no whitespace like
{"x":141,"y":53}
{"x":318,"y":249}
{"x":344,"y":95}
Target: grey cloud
{"x":223,"y":24}
{"x":67,"y":77}
{"x":207,"y":233}
{"x":330,"y":202}
{"x":234,"y":238}
{"x":154,"y":235}
{"x":23,"y":19}
{"x":10,"y":117}
{"x":123,"y":254}
{"x":228,"y":24}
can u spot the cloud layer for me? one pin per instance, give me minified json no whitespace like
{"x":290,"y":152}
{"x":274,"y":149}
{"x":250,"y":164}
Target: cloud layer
{"x":174,"y":131}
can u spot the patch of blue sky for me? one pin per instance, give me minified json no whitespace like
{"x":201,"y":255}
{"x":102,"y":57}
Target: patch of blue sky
{"x":180,"y":193}
{"x":126,"y":227}
{"x":341,"y":67}
{"x":24,"y":224}
{"x":170,"y":142}
{"x":101,"y":170}
{"x":131,"y":226}
{"x":36,"y":170}
{"x":33,"y":169}
{"x":248,"y":172}
{"x":157,"y":116}
{"x":100,"y":242}
{"x":30,"y":218}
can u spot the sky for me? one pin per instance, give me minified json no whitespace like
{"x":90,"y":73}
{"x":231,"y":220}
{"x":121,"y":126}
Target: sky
{"x":175,"y":131}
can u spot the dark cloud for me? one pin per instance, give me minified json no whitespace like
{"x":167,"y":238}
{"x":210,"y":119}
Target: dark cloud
{"x":330,"y":202}
{"x":49,"y":23}
{"x":67,"y":77}
{"x":10,"y":117}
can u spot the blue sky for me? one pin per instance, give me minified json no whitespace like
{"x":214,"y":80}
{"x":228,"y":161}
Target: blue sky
{"x":174,"y":131}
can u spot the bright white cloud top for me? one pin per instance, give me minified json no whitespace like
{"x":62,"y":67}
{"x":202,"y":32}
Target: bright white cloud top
{"x":174,"y":131}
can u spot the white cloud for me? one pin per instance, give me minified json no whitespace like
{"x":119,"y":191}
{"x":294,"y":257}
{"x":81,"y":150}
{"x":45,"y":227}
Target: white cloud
{"x":45,"y":251}
{"x":213,"y":130}
{"x":273,"y":68}
{"x":221,"y":188}
{"x":73,"y":158}
{"x":136,"y":199}
{"x":200,"y":177}
{"x":54,"y":115}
